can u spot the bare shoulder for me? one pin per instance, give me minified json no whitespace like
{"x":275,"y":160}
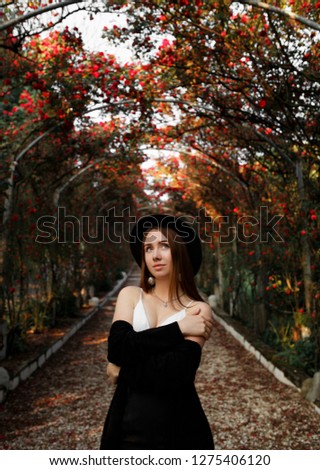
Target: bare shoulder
{"x":206,"y":309}
{"x":203,"y":306}
{"x":126,"y":301}
{"x":129,"y":292}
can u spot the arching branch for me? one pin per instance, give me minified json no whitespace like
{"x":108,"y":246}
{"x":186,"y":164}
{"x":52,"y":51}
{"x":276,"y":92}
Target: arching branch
{"x":59,"y":190}
{"x":255,"y":3}
{"x":283,"y":12}
{"x":39,"y":11}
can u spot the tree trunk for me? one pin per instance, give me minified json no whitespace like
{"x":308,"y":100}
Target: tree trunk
{"x":260,"y":314}
{"x":220,"y":287}
{"x":305,"y":247}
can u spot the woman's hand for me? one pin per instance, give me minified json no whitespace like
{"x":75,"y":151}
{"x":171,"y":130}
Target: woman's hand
{"x":113,"y":373}
{"x":197,"y":322}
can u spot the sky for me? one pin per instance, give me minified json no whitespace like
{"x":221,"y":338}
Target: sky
{"x":91,"y":30}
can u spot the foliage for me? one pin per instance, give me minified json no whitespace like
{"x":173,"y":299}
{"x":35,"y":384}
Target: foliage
{"x":297,"y":353}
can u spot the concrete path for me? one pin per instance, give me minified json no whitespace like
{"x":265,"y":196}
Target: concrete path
{"x":63,"y":404}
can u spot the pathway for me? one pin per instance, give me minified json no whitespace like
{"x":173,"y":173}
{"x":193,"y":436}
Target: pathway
{"x":63,"y":405}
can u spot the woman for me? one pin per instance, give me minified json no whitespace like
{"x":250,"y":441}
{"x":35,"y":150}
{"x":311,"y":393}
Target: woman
{"x":155,"y":342}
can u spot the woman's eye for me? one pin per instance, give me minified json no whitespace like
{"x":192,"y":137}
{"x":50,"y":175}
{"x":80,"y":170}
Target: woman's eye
{"x":165,"y":245}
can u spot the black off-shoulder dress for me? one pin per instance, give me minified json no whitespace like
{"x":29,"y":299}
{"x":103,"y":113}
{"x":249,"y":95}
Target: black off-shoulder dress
{"x":155,"y":405}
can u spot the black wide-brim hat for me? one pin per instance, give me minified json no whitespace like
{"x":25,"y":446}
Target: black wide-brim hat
{"x":179,"y":224}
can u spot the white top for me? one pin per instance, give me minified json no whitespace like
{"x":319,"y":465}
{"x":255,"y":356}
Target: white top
{"x":140,"y":320}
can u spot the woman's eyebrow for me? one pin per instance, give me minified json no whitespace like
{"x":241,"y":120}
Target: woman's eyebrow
{"x":164,"y":240}
{"x":146,"y":242}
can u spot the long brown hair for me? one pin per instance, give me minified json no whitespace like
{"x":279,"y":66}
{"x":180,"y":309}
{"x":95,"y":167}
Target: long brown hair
{"x":182,"y":272}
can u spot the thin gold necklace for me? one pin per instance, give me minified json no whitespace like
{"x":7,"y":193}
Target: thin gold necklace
{"x":165,"y":302}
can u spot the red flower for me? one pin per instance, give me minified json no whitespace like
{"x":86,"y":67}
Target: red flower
{"x":165,"y":43}
{"x":303,"y":232}
{"x":262,"y":103}
{"x":132,"y":73}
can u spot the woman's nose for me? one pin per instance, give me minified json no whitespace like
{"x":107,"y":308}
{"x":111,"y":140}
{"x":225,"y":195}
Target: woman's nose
{"x":156,"y":253}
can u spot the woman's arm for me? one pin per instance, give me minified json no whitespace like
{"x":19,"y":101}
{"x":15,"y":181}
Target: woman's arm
{"x":124,"y":344}
{"x":164,"y":372}
{"x":175,"y":368}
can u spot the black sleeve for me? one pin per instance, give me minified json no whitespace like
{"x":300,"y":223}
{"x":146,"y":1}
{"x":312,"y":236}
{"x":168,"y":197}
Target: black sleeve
{"x":126,"y":345}
{"x":167,"y":371}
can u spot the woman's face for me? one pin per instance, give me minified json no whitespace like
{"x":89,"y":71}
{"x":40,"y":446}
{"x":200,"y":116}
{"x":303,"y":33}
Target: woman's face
{"x":157,"y":254}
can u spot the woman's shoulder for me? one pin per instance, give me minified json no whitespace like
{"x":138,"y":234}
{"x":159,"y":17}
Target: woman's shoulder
{"x":204,"y":306}
{"x":126,"y":301}
{"x":129,"y":291}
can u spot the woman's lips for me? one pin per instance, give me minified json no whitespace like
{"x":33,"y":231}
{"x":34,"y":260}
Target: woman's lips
{"x":158,"y":266}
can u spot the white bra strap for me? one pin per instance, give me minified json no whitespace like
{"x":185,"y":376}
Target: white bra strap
{"x":189,"y":303}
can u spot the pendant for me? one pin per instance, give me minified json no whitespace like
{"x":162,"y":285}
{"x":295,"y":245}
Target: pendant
{"x":165,"y":304}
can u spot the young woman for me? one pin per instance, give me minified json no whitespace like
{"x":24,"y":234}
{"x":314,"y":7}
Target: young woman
{"x":155,"y":341}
